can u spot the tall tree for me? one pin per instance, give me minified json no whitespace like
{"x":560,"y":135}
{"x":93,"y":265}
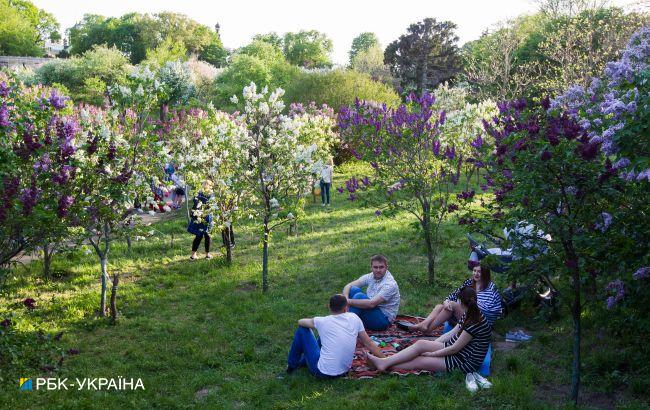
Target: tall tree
{"x":136,"y":33}
{"x":425,"y":56}
{"x":24,"y":28}
{"x":362,"y":42}
{"x":309,"y":49}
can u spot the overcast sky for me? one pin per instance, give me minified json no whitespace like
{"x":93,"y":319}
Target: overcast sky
{"x":341,"y":20}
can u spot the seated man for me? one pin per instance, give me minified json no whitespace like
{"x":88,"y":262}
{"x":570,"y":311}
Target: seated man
{"x":378,"y":307}
{"x":331,"y":355}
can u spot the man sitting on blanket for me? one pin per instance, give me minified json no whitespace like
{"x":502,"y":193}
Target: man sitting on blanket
{"x":331,"y":355}
{"x":378,"y":307}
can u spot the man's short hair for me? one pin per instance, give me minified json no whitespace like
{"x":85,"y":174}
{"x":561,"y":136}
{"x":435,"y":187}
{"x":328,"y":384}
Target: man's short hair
{"x":379,"y":258}
{"x":338,"y":302}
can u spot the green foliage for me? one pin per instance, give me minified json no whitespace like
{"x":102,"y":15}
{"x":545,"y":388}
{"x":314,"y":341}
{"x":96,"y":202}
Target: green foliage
{"x":337,"y":88}
{"x":371,"y":62}
{"x":84,"y":75}
{"x":309,"y":49}
{"x":168,"y":50}
{"x":361,"y":43}
{"x":544,"y":54}
{"x":136,"y":33}
{"x":425,"y":56}
{"x":24,"y":28}
{"x":246,"y":68}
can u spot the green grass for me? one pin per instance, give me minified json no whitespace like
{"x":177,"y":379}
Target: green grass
{"x":190,"y":326}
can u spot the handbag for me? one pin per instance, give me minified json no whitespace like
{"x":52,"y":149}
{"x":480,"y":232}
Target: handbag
{"x":195,"y":228}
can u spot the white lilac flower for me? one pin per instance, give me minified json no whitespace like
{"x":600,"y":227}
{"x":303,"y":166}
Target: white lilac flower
{"x":274,"y":203}
{"x":234,"y":99}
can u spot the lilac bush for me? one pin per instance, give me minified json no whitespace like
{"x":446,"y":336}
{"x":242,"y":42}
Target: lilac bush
{"x":39,"y":165}
{"x":411,"y":168}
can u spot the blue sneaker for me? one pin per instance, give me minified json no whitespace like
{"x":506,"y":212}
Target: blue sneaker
{"x":524,"y":335}
{"x":518,"y":336}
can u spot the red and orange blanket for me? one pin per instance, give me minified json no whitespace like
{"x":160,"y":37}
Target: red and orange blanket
{"x":390,"y":342}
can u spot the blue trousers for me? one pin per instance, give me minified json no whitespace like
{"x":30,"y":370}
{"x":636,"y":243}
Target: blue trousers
{"x":325,"y":192}
{"x":373,"y":319}
{"x":305,"y":351}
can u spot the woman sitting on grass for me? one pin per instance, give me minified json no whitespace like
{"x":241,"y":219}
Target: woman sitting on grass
{"x":488,"y":300}
{"x":463,"y":348}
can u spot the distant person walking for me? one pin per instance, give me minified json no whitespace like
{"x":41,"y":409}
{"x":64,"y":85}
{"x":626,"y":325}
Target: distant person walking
{"x":326,"y":175}
{"x":201,"y":229}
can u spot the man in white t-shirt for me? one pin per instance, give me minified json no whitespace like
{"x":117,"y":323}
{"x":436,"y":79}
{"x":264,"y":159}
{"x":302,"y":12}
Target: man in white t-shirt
{"x":332,"y":354}
{"x":378,"y":307}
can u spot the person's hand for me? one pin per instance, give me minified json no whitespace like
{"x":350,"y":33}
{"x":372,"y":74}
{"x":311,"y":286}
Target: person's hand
{"x":447,"y":305}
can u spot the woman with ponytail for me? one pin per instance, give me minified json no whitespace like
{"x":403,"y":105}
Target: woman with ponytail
{"x":488,"y":301}
{"x":463,"y":348}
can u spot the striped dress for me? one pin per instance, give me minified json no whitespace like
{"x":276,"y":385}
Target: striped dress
{"x":470,"y":357}
{"x":488,"y":300}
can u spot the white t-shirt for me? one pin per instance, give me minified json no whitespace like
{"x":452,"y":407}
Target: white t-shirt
{"x":338,"y":336}
{"x":326,"y":174}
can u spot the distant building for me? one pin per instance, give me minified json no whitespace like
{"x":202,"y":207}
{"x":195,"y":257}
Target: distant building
{"x":53,"y":49}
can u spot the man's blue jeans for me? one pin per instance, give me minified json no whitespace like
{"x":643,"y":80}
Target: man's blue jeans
{"x":305,"y":351}
{"x":373,"y":319}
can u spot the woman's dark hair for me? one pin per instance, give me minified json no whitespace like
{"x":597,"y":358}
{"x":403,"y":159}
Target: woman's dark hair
{"x":467,"y":296}
{"x":486,"y":276}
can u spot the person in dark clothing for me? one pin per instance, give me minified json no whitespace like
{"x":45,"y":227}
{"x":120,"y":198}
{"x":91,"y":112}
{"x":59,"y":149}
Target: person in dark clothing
{"x":228,"y":236}
{"x":201,"y":230}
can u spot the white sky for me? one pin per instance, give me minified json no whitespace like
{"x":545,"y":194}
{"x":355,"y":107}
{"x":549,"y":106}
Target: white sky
{"x":341,"y":20}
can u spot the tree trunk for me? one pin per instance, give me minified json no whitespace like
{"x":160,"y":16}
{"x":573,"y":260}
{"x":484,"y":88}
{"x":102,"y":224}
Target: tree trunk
{"x":116,"y":281}
{"x":102,"y":306}
{"x":128,"y":243}
{"x":48,"y":252}
{"x":576,"y":308}
{"x":431,"y":254}
{"x":187,"y":202}
{"x":265,"y":256}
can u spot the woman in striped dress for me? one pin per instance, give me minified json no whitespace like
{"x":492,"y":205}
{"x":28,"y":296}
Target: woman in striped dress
{"x":463,"y":348}
{"x":488,"y":299}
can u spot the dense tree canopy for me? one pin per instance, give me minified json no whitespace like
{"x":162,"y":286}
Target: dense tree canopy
{"x":362,"y":42}
{"x":136,"y":33}
{"x":425,"y":56}
{"x":308,"y":49}
{"x":24,"y":27}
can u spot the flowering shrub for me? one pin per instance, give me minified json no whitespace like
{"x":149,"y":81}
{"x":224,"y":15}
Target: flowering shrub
{"x":39,"y":163}
{"x":548,"y":170}
{"x":615,"y":109}
{"x":278,"y":164}
{"x":208,"y":145}
{"x":413,"y":169}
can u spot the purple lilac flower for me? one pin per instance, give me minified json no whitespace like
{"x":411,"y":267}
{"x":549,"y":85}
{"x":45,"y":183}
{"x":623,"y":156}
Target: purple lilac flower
{"x":4,"y":89}
{"x":546,"y":155}
{"x":28,"y":197}
{"x":465,"y":195}
{"x":621,"y":163}
{"x":644,"y":175}
{"x":64,"y":203}
{"x":604,"y":220}
{"x":452,"y":208}
{"x":340,"y":190}
{"x":615,"y":286}
{"x":57,"y":101}
{"x":29,"y":303}
{"x":43,"y":164}
{"x":642,"y":273}
{"x":378,"y":212}
{"x":4,"y":116}
{"x":477,"y":142}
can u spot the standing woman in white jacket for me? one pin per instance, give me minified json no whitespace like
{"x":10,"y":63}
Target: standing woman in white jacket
{"x":326,"y":175}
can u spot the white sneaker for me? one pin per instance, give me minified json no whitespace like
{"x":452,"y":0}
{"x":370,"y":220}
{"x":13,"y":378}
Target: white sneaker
{"x":482,"y":381}
{"x":470,"y":383}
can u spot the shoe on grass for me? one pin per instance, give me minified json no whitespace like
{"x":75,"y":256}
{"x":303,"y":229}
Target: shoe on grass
{"x":482,"y":382}
{"x":470,"y":383}
{"x":523,"y":335}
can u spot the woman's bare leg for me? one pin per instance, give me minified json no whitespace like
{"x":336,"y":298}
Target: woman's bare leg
{"x":406,"y":355}
{"x":425,"y":324}
{"x":432,"y":364}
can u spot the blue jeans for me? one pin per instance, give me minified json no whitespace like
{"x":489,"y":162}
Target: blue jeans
{"x":373,"y":319}
{"x":325,"y":192}
{"x":305,"y":351}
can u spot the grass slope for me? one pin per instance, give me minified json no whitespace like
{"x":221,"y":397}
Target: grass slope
{"x":201,"y":334}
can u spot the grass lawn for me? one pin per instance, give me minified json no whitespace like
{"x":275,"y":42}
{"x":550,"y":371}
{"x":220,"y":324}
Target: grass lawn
{"x":202,"y":334}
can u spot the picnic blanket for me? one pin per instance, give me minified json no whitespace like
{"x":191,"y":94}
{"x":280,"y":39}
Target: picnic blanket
{"x":394,"y":339}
